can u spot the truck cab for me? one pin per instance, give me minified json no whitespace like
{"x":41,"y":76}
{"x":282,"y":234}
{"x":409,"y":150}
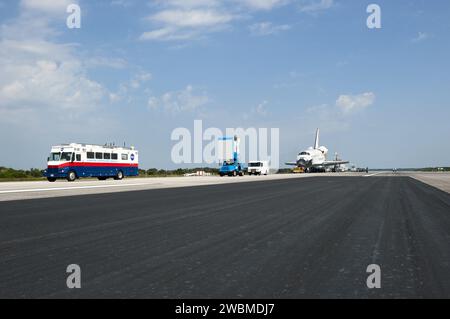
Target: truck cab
{"x":231,"y":165}
{"x":231,"y":168}
{"x":59,"y":162}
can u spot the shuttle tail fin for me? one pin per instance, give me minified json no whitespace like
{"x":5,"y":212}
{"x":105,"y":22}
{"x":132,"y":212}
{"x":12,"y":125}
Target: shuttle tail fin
{"x":316,"y":143}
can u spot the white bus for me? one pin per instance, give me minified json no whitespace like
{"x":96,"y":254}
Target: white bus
{"x":73,"y":161}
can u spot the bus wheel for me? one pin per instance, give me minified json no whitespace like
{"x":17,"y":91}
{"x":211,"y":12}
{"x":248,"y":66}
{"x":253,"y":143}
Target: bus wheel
{"x":119,"y":176}
{"x":51,"y":179}
{"x":71,"y":176}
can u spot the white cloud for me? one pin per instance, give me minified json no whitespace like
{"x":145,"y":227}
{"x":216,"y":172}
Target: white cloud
{"x":48,"y":85}
{"x":192,"y":19}
{"x":267,"y":28}
{"x":264,"y":4}
{"x":44,"y":78}
{"x":100,"y":61}
{"x":114,"y":98}
{"x":252,"y":4}
{"x":160,"y":34}
{"x":183,"y":24}
{"x":261,"y":109}
{"x":350,"y":103}
{"x":190,"y":3}
{"x":122,"y":3}
{"x":421,"y":36}
{"x":339,"y":116}
{"x":127,"y":89}
{"x":313,"y":6}
{"x":139,"y":79}
{"x":40,"y":76}
{"x":175,"y":102}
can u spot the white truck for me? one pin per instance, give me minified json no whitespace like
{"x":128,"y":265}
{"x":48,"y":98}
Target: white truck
{"x":258,"y":168}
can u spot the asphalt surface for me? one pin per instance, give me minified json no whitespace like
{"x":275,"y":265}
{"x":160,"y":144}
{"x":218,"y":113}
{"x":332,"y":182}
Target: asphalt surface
{"x":294,"y":238}
{"x":44,"y":189}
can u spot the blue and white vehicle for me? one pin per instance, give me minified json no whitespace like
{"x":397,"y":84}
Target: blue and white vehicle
{"x":232,"y":167}
{"x":73,"y":161}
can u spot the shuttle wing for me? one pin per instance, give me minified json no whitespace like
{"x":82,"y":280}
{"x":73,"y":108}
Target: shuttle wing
{"x":331,"y":163}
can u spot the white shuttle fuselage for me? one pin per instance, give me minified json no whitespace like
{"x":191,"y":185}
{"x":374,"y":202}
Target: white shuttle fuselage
{"x":315,"y":157}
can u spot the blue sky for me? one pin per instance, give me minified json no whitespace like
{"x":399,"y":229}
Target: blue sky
{"x":136,"y":70}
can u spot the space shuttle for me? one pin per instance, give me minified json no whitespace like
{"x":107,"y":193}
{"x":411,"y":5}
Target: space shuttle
{"x":315,"y":158}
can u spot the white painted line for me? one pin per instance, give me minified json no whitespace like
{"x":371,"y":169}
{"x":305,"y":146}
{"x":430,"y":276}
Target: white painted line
{"x":154,"y":183}
{"x":375,"y":174}
{"x":68,"y":188}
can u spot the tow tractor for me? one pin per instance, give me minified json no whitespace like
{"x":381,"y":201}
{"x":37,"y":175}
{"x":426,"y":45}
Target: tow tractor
{"x":232,"y":167}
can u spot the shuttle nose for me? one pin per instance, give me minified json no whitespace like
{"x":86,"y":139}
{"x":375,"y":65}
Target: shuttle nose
{"x":304,"y":160}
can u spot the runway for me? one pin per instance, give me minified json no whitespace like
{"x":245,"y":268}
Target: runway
{"x":288,"y":238}
{"x":44,"y":189}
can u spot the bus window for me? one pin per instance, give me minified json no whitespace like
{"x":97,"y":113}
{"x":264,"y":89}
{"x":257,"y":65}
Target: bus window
{"x":98,"y":155}
{"x":114,"y":156}
{"x":124,"y":157}
{"x":66,"y":156}
{"x":90,"y":155}
{"x":106,"y":156}
{"x":78,"y":157}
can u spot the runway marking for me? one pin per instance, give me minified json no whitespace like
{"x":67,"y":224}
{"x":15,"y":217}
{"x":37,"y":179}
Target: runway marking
{"x":35,"y":190}
{"x":31,"y":190}
{"x":375,"y":174}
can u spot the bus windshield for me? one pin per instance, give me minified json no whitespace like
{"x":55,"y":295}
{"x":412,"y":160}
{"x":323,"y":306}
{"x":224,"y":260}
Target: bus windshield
{"x":258,"y":164}
{"x":66,"y":156}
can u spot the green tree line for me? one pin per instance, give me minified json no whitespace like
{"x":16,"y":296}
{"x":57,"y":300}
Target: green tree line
{"x":34,"y":173}
{"x":10,"y":173}
{"x":155,"y":172}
